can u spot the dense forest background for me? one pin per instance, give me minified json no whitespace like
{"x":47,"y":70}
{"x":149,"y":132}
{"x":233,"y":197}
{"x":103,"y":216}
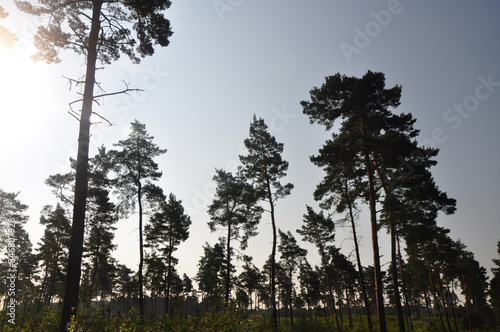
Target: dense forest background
{"x":374,"y":175}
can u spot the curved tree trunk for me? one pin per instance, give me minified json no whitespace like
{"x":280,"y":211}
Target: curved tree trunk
{"x":376,"y":253}
{"x":72,"y":290}
{"x":394,"y":268}
{"x":403,"y":283}
{"x":329,"y":284}
{"x":141,"y":253}
{"x":228,"y":270}
{"x":358,"y":261}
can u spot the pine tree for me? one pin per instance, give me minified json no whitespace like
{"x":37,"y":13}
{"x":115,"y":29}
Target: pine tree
{"x":373,"y":139}
{"x":341,"y":187}
{"x":320,"y":231}
{"x":291,"y":255}
{"x":165,"y":232}
{"x":210,"y":275}
{"x":52,"y":252}
{"x":495,"y":284}
{"x":19,"y":259}
{"x":264,"y":167}
{"x":233,"y":207}
{"x":101,"y":31}
{"x":250,"y":279}
{"x":135,"y":170}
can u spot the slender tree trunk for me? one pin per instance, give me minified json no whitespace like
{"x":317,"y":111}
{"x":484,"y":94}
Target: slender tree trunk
{"x":450,"y":300}
{"x":428,"y":306}
{"x":467,"y":303}
{"x":329,"y":284}
{"x":92,"y":280}
{"x":358,"y":260}
{"x":349,"y":314}
{"x":141,"y":251}
{"x":339,"y":293}
{"x":273,"y":254}
{"x":394,"y":272}
{"x":290,"y":296}
{"x":382,"y":327}
{"x":394,"y":268}
{"x":228,"y":270}
{"x":403,"y":283}
{"x":72,"y":290}
{"x":433,"y":290}
{"x":448,"y":324}
{"x":169,"y":278}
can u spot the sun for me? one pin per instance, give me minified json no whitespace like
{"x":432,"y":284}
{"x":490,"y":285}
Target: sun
{"x":24,"y":96}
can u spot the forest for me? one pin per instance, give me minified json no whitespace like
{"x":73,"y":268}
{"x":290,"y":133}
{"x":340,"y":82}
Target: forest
{"x":373,"y":161}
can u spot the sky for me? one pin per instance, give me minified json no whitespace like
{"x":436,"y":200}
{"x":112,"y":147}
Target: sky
{"x":231,"y":59}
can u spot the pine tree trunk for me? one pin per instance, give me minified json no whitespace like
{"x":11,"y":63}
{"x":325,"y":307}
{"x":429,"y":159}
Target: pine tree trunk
{"x":446,"y":314}
{"x":228,"y":270}
{"x":141,"y":252}
{"x":394,"y":272}
{"x":433,"y":290}
{"x":349,"y":313}
{"x":467,"y":303}
{"x":290,"y":296}
{"x":169,"y":278}
{"x":382,"y":327}
{"x":273,"y":255}
{"x":72,"y":290}
{"x":428,"y":306}
{"x":329,"y":284}
{"x":394,"y":268}
{"x":403,"y":284}
{"x":358,"y":261}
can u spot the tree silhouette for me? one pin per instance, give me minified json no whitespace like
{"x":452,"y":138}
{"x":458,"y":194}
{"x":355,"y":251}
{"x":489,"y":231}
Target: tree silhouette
{"x":320,"y":231}
{"x":135,"y":170}
{"x":495,"y":283}
{"x":166,"y":230}
{"x":210,"y":275}
{"x":291,"y":255}
{"x":264,"y":166}
{"x":100,"y":31}
{"x":52,"y":251}
{"x":340,"y":188}
{"x":234,"y":207}
{"x":363,"y":106}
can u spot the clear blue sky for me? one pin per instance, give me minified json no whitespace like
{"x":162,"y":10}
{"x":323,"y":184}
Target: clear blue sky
{"x":230,"y":59}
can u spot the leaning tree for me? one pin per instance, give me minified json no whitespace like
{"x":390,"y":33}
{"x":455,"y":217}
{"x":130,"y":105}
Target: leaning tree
{"x":135,"y":172}
{"x":234,"y":208}
{"x":264,"y":167}
{"x":100,"y":30}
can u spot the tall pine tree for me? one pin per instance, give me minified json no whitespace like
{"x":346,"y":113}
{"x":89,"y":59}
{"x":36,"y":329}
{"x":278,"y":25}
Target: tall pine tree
{"x":264,"y":167}
{"x":135,"y":170}
{"x":101,"y":31}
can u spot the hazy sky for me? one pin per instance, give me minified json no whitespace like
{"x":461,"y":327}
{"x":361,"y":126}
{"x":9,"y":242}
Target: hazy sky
{"x":229,"y":59}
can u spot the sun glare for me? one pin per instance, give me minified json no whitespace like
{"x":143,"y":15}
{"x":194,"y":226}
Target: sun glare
{"x":24,"y":90}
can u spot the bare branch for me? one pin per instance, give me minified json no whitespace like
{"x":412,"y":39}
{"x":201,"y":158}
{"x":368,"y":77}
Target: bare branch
{"x":99,"y":115}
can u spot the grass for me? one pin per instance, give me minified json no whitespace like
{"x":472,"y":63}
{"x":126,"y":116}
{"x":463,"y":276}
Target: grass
{"x":229,"y":320}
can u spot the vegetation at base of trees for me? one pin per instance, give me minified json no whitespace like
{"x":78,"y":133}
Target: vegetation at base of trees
{"x":229,"y":319}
